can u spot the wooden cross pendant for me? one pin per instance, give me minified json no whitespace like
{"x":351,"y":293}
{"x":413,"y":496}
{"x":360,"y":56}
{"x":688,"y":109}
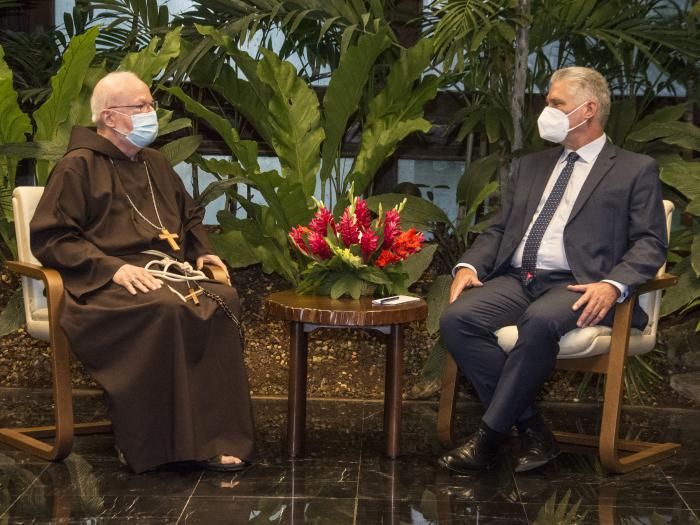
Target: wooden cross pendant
{"x":170,"y":237}
{"x":193,"y":295}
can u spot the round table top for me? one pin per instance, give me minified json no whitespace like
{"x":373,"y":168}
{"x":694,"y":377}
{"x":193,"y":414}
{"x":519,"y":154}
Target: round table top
{"x":315,"y":309}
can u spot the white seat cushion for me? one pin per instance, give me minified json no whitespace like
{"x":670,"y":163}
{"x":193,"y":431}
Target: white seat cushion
{"x":583,"y":342}
{"x":38,"y":324}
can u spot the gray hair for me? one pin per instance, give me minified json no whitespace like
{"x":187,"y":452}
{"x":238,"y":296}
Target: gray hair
{"x":589,"y":83}
{"x":103,"y":90}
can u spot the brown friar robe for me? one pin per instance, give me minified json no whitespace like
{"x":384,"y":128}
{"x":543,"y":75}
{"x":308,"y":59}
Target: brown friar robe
{"x":173,"y":372}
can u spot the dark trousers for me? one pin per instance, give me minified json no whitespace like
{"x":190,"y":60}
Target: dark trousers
{"x":507,"y":383}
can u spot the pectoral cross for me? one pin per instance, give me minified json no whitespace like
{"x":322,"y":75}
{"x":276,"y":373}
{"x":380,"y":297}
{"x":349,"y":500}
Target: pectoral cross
{"x":170,"y":237}
{"x":193,"y":295}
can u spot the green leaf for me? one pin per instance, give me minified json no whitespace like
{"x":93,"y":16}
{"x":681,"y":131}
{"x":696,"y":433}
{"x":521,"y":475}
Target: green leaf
{"x":173,"y":126}
{"x":475,"y":177}
{"x":685,"y":292}
{"x":682,"y":134}
{"x":395,"y":112}
{"x":217,"y":188}
{"x":663,"y":115}
{"x":37,"y":150}
{"x":295,"y":121}
{"x":432,"y":368}
{"x":179,"y":150}
{"x":695,"y":254}
{"x":243,"y":150}
{"x":346,"y":284}
{"x":150,"y":61}
{"x":417,"y":213}
{"x":14,"y":125}
{"x":682,"y":175}
{"x":438,"y":298}
{"x":234,"y":249}
{"x":12,"y":316}
{"x":417,"y":263}
{"x":64,"y":85}
{"x":345,"y":90}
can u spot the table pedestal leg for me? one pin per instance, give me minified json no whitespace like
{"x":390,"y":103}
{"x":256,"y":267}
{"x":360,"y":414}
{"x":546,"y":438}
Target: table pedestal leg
{"x":296,"y":410}
{"x":393,"y":389}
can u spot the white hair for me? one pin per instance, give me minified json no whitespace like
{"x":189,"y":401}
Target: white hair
{"x":104,"y":90}
{"x":591,"y":84}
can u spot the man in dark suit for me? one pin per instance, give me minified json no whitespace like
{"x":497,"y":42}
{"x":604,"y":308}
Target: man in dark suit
{"x":580,"y":225}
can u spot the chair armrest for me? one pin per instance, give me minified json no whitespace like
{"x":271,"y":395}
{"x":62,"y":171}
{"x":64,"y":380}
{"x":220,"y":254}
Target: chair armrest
{"x":50,"y":277}
{"x":657,"y":283}
{"x":216,"y":273}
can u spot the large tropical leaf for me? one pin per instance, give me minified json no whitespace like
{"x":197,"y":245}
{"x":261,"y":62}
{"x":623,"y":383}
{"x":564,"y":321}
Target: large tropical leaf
{"x":395,"y":112}
{"x":150,"y":61}
{"x":244,"y":150}
{"x":345,"y":90}
{"x":179,"y":150}
{"x":64,"y":86}
{"x":685,"y":292}
{"x":417,"y":263}
{"x":295,"y":121}
{"x":14,"y":124}
{"x":417,"y":212}
{"x":234,"y":249}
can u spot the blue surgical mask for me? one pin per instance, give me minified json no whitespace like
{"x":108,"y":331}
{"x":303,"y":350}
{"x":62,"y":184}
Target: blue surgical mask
{"x":144,"y":128}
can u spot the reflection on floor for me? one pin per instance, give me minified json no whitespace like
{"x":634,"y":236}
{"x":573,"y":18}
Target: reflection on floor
{"x":345,"y":478}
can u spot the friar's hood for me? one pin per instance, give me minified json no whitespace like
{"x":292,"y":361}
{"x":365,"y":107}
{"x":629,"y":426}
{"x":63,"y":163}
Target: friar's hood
{"x":87,"y":138}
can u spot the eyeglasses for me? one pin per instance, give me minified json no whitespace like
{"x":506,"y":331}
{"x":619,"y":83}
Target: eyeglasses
{"x":141,"y":107}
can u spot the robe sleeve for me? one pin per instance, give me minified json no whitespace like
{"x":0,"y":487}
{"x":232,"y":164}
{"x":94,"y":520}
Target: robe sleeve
{"x":57,"y":238}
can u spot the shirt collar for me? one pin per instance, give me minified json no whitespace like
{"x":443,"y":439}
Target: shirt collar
{"x":589,"y":153}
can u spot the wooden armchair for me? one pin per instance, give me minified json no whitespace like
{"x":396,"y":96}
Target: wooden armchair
{"x":43,"y":294}
{"x":598,"y":349}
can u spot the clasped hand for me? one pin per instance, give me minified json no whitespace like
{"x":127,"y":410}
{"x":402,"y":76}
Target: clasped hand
{"x":137,"y":279}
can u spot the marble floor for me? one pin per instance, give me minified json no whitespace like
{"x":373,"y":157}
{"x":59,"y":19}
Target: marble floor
{"x":345,"y":478}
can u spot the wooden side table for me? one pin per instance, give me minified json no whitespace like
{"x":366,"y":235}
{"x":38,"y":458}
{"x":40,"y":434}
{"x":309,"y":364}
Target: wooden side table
{"x":308,"y":312}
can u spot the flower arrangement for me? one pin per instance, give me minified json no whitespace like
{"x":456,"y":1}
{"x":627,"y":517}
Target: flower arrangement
{"x":355,"y":254}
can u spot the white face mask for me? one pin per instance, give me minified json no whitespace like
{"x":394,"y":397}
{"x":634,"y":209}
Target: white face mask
{"x":553,"y":124}
{"x":144,"y":128}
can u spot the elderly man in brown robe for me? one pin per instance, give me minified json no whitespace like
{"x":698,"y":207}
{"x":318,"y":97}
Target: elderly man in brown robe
{"x":168,"y":354}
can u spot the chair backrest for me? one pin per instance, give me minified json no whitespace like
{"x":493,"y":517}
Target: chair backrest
{"x":651,"y":302}
{"x":24,"y":202}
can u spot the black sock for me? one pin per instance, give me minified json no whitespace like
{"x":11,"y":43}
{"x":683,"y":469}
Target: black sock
{"x":535,"y":422}
{"x":493,"y":437}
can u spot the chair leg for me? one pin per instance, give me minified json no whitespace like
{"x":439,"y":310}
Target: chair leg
{"x":26,"y":438}
{"x":608,"y":443}
{"x":448,"y":402}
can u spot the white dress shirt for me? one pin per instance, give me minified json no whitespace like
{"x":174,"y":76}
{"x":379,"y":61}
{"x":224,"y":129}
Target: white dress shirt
{"x":551,"y":254}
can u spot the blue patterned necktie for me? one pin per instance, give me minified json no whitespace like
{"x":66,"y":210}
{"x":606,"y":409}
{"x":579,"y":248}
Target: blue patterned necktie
{"x":528,"y":269}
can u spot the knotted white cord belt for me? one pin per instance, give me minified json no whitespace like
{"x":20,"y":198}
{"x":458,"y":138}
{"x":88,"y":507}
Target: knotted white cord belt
{"x":173,"y":270}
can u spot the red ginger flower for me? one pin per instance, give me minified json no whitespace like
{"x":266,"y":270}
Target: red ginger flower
{"x":322,"y":218}
{"x":319,"y":246}
{"x":368,"y":243}
{"x":297,"y":236}
{"x":349,"y":231}
{"x":364,"y":219}
{"x":407,"y":243}
{"x":387,"y":257}
{"x":392,"y":228}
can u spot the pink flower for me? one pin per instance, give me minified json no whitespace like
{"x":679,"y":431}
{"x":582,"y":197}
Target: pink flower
{"x":322,"y":218}
{"x":319,"y":246}
{"x":349,"y":231}
{"x":392,"y":228}
{"x":368,"y":243}
{"x":297,"y":236}
{"x":362,"y":213}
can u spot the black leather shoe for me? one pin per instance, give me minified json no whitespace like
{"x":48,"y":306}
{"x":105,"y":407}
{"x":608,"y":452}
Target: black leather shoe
{"x":476,"y":454}
{"x":537,"y":448}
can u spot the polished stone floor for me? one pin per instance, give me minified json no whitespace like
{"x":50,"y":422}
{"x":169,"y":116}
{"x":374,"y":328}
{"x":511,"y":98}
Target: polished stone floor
{"x":345,"y":478}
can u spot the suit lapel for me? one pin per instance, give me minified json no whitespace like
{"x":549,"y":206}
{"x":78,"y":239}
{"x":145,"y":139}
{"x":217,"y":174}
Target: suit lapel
{"x":602,"y":165}
{"x":539,"y":182}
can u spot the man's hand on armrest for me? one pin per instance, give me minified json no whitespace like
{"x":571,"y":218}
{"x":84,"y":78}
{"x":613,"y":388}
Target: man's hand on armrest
{"x":598,"y":298}
{"x":464,"y":278}
{"x":214,"y":260}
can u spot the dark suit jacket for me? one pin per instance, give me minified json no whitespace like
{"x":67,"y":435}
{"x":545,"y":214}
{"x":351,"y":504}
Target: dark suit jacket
{"x":616,"y":229}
